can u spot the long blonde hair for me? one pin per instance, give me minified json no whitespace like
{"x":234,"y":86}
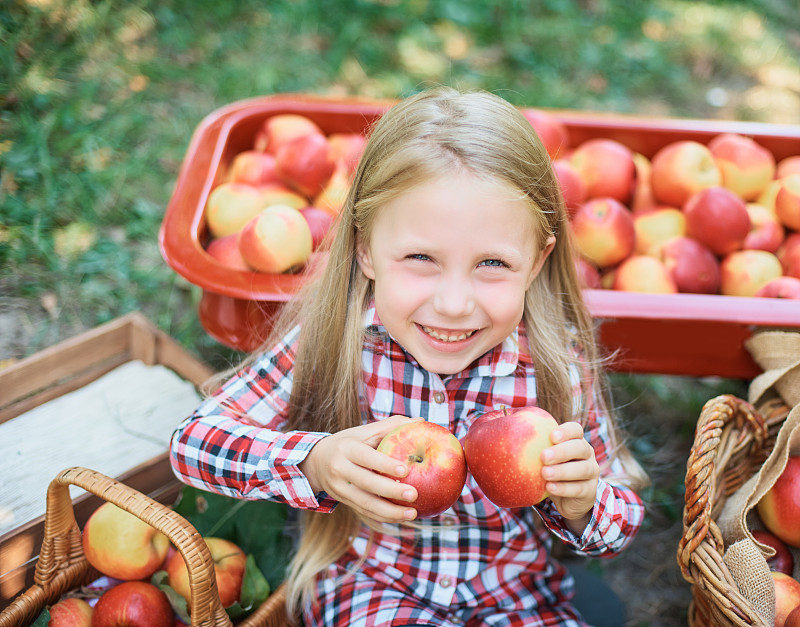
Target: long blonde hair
{"x":418,"y":140}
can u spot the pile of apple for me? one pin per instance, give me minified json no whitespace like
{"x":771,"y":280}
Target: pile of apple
{"x":721,"y":218}
{"x":779,"y":511}
{"x":129,"y":551}
{"x":279,"y":198}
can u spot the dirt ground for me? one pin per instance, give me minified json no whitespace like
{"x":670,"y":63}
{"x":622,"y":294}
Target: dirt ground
{"x":646,"y":576}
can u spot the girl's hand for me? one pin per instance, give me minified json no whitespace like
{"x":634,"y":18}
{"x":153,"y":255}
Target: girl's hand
{"x":346,"y":466}
{"x":571,"y":472}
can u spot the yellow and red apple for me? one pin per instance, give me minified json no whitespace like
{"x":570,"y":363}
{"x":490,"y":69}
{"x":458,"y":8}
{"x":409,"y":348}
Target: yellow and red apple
{"x":133,"y":604}
{"x":787,"y":596}
{"x":121,"y":545}
{"x":253,"y":167}
{"x":71,"y":612}
{"x":606,"y":168}
{"x":504,"y":448}
{"x":787,"y":201}
{"x":643,"y":273}
{"x":655,"y":226}
{"x":789,"y":255}
{"x":603,"y":231}
{"x":766,"y":231}
{"x":305,"y":164}
{"x":787,"y":166}
{"x":278,"y":130}
{"x":680,"y":169}
{"x":346,"y":150}
{"x":276,"y":240}
{"x":779,"y":508}
{"x":746,"y":166}
{"x":786,"y":287}
{"x":552,"y":131}
{"x":744,"y":272}
{"x":435,"y":461}
{"x":229,"y":566}
{"x":572,"y":188}
{"x":226,"y":251}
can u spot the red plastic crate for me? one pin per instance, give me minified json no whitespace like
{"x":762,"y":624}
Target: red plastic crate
{"x":687,"y":334}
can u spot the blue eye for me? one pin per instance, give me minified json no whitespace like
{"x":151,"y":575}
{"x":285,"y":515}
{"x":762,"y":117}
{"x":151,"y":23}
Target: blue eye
{"x":494,"y":263}
{"x":418,"y":257}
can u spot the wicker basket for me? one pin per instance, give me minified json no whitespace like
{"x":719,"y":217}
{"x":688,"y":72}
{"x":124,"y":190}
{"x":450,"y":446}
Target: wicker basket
{"x":732,"y":441}
{"x":62,"y":565}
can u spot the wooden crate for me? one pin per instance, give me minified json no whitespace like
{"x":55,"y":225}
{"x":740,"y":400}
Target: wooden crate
{"x":66,"y":367}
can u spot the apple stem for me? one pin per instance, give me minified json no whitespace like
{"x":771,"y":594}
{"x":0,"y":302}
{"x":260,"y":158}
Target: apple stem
{"x":505,"y":410}
{"x":415,"y":459}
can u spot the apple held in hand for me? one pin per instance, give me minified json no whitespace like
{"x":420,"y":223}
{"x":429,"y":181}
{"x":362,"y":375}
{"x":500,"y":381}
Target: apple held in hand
{"x":435,"y":461}
{"x":121,"y":545}
{"x":504,"y":448}
{"x":779,"y":508}
{"x":229,"y":565}
{"x":71,"y":612}
{"x":133,"y":604}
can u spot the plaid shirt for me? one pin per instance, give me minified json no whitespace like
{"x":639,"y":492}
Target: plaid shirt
{"x":475,"y":564}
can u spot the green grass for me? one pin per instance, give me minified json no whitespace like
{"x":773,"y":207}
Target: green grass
{"x":98,"y":101}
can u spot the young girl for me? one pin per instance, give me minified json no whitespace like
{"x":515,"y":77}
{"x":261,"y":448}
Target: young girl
{"x":450,"y":291}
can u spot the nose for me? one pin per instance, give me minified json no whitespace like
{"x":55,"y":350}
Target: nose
{"x":454,"y":296}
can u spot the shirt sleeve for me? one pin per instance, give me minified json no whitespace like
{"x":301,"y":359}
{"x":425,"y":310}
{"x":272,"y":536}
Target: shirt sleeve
{"x":234,"y":442}
{"x":618,"y":511}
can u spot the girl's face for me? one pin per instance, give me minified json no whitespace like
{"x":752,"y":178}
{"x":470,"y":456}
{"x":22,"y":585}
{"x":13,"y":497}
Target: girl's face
{"x":451,"y":260}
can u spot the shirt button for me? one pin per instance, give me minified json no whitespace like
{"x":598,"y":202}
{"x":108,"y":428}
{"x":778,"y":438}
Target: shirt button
{"x":438,"y":397}
{"x":449,"y":521}
{"x":446,"y":582}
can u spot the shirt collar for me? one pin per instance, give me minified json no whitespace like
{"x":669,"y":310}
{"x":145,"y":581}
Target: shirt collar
{"x":500,"y":361}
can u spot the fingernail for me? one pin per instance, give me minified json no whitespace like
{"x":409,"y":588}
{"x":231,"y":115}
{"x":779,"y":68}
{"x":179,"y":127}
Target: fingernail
{"x":555,"y":436}
{"x":408,"y":495}
{"x":410,"y":514}
{"x":400,"y":471}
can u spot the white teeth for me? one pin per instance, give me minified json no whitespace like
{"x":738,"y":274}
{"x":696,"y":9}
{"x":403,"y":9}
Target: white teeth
{"x":446,"y":338}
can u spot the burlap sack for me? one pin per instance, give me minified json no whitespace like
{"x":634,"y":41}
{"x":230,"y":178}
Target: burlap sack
{"x":778,"y":353}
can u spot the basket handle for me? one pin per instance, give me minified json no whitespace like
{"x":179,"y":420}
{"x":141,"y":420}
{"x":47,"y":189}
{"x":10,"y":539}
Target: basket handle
{"x":62,"y":549}
{"x":711,"y":448}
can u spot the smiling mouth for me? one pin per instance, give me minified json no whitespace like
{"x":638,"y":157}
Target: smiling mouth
{"x":444,"y":336}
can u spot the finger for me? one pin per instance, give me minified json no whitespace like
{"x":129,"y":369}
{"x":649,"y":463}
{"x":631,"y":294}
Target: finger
{"x":575,"y":471}
{"x":379,"y":462}
{"x":571,"y":490}
{"x":377,"y":508}
{"x":379,"y":485}
{"x":375,"y":431}
{"x":567,"y":451}
{"x":566,"y":431}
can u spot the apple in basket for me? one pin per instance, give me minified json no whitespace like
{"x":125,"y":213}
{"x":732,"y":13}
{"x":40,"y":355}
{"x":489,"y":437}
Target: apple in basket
{"x":229,"y":565}
{"x":504,"y":448}
{"x":71,"y":612}
{"x":779,"y":508}
{"x":435,"y":460}
{"x":133,"y":604}
{"x":787,"y":596}
{"x":782,"y":561}
{"x":121,"y":545}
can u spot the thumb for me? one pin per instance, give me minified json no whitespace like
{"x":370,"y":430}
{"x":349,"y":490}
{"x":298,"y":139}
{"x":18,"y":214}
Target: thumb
{"x":382,"y":427}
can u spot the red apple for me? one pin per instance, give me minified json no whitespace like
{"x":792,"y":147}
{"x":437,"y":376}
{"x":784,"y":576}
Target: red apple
{"x":504,"y":448}
{"x":588,"y":275}
{"x":746,"y":166}
{"x":319,"y":222}
{"x":787,"y":287}
{"x":346,"y":150}
{"x":692,"y":266}
{"x":789,"y":255}
{"x":643,"y":273}
{"x":606,"y":168}
{"x":253,"y":167}
{"x":744,"y":272}
{"x":572,"y":188}
{"x":334,"y":194}
{"x":680,"y":169}
{"x":787,"y":166}
{"x":71,"y":612}
{"x":603,"y":231}
{"x":226,"y":251}
{"x":280,"y":129}
{"x":787,"y":596}
{"x":766,"y":231}
{"x":133,"y":604}
{"x":552,"y":131}
{"x":435,"y":460}
{"x":782,"y":561}
{"x":787,"y":201}
{"x":229,"y":565}
{"x":718,"y":218}
{"x":779,"y":508}
{"x":793,"y":618}
{"x":121,"y":545}
{"x":276,"y":240}
{"x":305,"y":164}
{"x":655,"y":226}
